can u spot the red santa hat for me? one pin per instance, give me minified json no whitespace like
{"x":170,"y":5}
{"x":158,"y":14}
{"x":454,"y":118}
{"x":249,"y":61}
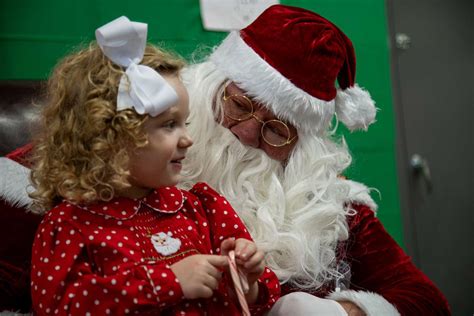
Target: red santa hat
{"x":289,"y":60}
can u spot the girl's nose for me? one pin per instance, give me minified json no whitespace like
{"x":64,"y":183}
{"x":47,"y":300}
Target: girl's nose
{"x":186,"y":140}
{"x":248,"y":132}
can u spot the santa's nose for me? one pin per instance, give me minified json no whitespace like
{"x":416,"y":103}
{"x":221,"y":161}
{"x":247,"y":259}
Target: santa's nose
{"x":248,"y":132}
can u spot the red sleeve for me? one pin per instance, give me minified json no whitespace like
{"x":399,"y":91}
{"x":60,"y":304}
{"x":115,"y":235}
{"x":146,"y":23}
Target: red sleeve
{"x":224,"y":223}
{"x":64,"y":281}
{"x":379,"y":265}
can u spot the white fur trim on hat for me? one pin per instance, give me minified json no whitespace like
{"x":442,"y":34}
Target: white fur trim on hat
{"x":355,"y":108}
{"x":14,"y":183}
{"x":371,"y":303}
{"x":265,"y":84}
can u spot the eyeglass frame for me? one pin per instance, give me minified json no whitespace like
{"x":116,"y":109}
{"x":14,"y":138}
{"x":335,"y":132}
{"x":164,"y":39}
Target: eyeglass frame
{"x":259,"y":120}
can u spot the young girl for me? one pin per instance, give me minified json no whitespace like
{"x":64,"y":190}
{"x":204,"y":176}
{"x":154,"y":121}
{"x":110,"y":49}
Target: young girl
{"x":121,"y":238}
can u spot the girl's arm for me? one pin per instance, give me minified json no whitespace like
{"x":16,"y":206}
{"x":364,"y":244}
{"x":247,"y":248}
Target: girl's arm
{"x":64,"y":282}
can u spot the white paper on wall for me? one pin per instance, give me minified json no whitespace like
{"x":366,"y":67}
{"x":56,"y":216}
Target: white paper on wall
{"x":228,"y":15}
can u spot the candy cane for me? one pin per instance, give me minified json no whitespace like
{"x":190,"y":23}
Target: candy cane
{"x":240,"y":283}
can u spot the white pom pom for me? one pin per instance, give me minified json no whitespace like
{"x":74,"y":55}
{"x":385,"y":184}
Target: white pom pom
{"x":355,"y":108}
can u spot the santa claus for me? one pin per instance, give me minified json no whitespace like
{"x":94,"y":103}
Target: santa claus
{"x":261,"y":110}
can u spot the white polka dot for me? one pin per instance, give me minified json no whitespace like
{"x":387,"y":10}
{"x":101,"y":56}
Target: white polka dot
{"x":96,"y":302}
{"x":108,"y":238}
{"x":85,"y":293}
{"x":190,"y":228}
{"x":45,"y":260}
{"x":107,"y":311}
{"x":72,"y":232}
{"x":124,"y":292}
{"x":223,"y":225}
{"x":236,"y":226}
{"x":103,"y":244}
{"x":113,"y":281}
{"x":68,"y":242}
{"x":171,"y":293}
{"x":50,"y":278}
{"x":164,"y":275}
{"x":71,"y":295}
{"x":120,"y":244}
{"x":158,"y":288}
{"x":57,"y":268}
{"x":91,"y":237}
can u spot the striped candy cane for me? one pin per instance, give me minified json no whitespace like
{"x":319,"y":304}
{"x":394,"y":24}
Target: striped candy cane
{"x":240,"y":283}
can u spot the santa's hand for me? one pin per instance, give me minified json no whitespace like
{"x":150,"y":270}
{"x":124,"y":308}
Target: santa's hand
{"x":249,"y":259}
{"x":199,"y":275}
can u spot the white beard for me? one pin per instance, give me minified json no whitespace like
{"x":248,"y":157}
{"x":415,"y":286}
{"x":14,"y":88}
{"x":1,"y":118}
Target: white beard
{"x":295,"y":213}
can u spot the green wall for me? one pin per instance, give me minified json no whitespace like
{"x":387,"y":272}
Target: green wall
{"x":35,"y":34}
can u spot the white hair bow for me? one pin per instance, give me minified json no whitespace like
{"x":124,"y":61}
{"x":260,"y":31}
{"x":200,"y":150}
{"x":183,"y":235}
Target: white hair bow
{"x":141,"y":87}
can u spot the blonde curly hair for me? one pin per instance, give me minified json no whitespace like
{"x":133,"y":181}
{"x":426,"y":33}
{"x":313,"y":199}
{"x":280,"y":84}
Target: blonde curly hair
{"x":81,"y":151}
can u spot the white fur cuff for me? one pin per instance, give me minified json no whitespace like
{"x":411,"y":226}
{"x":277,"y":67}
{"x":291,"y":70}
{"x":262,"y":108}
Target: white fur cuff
{"x":371,"y":303}
{"x":14,"y":182}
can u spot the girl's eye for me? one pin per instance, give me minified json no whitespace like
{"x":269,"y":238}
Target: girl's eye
{"x":169,"y":124}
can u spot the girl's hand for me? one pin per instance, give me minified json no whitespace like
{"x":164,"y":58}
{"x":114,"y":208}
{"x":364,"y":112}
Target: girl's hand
{"x":248,"y":258}
{"x":199,"y":275}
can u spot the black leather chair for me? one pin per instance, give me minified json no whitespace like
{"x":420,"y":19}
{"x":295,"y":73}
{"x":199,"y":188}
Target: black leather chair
{"x":17,"y":112}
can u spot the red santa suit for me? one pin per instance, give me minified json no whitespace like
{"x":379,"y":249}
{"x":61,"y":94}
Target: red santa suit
{"x":17,"y":229}
{"x":383,"y":280}
{"x":114,"y":257}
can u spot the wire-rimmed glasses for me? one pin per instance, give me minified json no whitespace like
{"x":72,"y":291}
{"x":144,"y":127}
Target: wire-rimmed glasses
{"x":239,"y":107}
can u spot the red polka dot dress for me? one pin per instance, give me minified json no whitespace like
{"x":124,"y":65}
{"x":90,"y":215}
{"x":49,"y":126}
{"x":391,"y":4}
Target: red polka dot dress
{"x":114,"y":258}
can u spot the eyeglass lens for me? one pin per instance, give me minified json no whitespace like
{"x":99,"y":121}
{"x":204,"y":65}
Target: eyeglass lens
{"x":240,"y":108}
